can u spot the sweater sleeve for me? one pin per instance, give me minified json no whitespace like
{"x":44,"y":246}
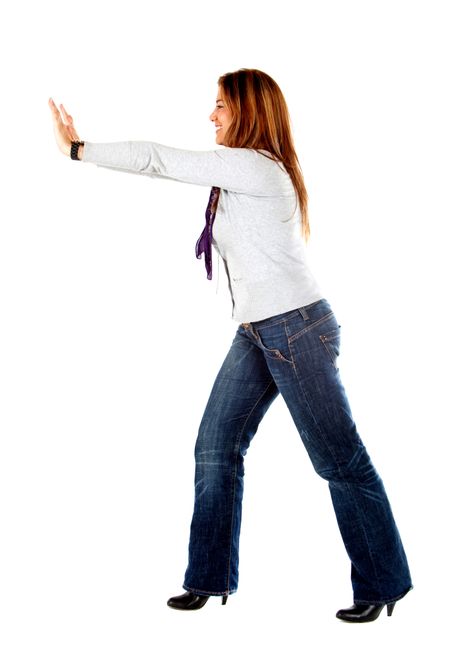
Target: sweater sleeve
{"x":241,"y":170}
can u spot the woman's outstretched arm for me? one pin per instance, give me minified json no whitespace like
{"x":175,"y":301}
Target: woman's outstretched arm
{"x":236,"y":169}
{"x":240,"y":170}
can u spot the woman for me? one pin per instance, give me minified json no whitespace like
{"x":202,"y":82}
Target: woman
{"x":287,"y":342}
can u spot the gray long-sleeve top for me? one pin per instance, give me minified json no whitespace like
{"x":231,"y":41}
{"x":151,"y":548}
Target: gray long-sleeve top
{"x":256,"y":231}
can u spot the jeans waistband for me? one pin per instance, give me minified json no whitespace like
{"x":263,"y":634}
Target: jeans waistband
{"x":279,"y":318}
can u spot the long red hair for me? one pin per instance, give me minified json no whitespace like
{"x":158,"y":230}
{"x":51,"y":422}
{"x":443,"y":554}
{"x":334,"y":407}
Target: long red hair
{"x":261,"y":121}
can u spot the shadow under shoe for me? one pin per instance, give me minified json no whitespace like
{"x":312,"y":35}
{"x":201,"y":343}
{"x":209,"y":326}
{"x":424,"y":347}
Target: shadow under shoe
{"x":189,"y":601}
{"x":359,"y":613}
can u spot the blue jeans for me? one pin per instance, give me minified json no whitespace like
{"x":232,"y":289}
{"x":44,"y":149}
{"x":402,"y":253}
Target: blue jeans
{"x":294,"y":354}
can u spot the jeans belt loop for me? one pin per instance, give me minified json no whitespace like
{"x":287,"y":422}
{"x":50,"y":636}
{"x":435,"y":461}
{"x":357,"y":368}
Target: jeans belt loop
{"x":304,"y":313}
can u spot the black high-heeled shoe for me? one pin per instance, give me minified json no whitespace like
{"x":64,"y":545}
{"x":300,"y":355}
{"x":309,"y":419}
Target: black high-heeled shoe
{"x":360,"y":613}
{"x":190,"y":601}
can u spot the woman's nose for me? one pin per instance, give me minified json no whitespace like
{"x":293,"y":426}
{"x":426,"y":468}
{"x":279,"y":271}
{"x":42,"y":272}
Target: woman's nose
{"x":212,"y":116}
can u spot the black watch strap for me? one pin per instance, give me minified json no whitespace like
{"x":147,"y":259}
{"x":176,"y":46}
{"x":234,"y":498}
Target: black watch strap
{"x":74,"y":149}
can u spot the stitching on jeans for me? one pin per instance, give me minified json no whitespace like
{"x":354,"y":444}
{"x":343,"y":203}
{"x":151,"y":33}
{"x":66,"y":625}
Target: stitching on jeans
{"x":359,"y":510}
{"x":310,"y":327}
{"x":378,"y":602}
{"x":338,"y":466}
{"x":238,"y":443}
{"x":278,"y":354}
{"x":277,"y":322}
{"x":319,"y":428}
{"x":292,"y":314}
{"x":331,"y":336}
{"x":331,"y":354}
{"x":290,"y":349}
{"x":202,"y":592}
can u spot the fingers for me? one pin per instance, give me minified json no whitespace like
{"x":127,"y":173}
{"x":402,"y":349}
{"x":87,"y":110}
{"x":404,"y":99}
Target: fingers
{"x":68,"y":119}
{"x":54,"y":109}
{"x":69,"y":122}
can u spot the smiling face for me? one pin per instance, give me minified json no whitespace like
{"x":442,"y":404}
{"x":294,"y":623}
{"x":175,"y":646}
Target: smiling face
{"x":221,"y":116}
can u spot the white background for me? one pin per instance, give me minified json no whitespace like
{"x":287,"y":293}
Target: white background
{"x":111,"y":335}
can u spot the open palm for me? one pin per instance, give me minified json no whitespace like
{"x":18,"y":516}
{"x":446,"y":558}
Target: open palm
{"x":63,"y":127}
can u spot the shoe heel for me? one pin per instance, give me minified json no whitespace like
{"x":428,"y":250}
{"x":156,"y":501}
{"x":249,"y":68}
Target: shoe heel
{"x":224,"y":599}
{"x":390,"y":608}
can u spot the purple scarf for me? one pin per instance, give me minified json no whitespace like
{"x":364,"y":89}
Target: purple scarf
{"x":204,"y":242}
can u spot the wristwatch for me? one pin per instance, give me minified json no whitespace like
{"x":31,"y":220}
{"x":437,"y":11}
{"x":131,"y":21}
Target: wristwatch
{"x":74,"y":149}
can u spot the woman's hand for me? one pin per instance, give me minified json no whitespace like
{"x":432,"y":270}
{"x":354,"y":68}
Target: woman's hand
{"x":63,"y":127}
